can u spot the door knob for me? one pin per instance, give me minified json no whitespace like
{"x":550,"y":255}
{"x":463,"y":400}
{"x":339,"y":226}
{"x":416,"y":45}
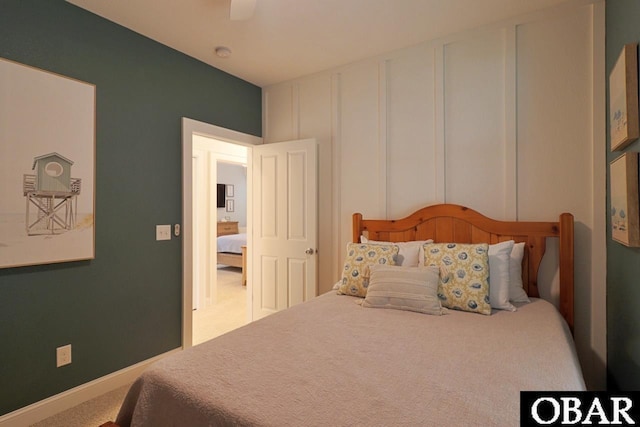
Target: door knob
{"x":309,"y":251}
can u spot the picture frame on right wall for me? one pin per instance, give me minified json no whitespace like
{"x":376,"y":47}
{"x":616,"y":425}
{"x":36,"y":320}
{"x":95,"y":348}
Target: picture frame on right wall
{"x":624,"y":214}
{"x":624,"y":123}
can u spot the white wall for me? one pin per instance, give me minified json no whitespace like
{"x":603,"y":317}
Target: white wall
{"x":508,"y":120}
{"x":236,"y":175}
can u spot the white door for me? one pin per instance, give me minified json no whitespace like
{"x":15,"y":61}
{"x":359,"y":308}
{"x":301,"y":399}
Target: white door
{"x":285,"y":230}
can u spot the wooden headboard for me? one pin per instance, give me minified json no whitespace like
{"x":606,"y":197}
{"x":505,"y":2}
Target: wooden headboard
{"x":458,"y":224}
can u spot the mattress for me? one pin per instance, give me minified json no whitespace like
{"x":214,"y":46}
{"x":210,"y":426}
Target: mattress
{"x":232,"y":243}
{"x":330,"y":361}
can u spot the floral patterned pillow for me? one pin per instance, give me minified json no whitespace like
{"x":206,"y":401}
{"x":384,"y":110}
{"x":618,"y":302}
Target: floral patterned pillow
{"x":466,"y":284}
{"x":355,"y":275}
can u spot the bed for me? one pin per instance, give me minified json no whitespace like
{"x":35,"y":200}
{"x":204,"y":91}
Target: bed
{"x":232,"y":247}
{"x":332,"y":361}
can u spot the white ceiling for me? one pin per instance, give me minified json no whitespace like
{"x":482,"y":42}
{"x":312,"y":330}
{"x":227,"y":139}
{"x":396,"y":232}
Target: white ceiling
{"x":286,"y":39}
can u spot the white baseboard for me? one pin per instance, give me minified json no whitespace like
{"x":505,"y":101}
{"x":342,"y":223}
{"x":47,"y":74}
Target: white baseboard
{"x":68,"y":399}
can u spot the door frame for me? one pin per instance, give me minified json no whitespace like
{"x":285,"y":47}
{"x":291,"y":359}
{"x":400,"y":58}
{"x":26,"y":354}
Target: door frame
{"x":189,"y":128}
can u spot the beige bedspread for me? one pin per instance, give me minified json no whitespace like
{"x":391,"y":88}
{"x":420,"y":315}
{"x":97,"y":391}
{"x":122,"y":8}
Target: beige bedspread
{"x":330,"y":362}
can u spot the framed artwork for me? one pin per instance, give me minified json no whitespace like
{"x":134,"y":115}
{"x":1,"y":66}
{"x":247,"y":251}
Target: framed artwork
{"x":230,"y":191}
{"x":47,"y":167}
{"x":623,"y":98}
{"x":625,"y":221}
{"x":230,"y":205}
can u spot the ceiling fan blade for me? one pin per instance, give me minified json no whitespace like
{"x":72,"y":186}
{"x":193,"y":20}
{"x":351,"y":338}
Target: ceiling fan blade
{"x":241,"y":9}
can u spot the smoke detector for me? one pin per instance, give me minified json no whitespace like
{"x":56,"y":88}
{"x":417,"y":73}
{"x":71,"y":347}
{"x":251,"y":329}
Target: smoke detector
{"x":223,"y":52}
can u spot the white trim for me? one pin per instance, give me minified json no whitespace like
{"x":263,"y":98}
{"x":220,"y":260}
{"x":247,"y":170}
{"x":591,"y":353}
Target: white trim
{"x":68,"y":399}
{"x":295,"y":111}
{"x":439,"y":122}
{"x":510,"y":121}
{"x":595,"y":369}
{"x":336,"y":174}
{"x":223,"y":134}
{"x":383,"y":138}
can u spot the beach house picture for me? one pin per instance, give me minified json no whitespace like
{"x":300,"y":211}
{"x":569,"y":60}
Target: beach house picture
{"x":624,"y":214}
{"x":47,"y":157}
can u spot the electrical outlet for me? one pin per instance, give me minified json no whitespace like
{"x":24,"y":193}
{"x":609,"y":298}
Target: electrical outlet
{"x":63,"y":355}
{"x":163,"y":232}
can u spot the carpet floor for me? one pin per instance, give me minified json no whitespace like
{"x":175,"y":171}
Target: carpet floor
{"x":229,"y":312}
{"x":91,"y":413}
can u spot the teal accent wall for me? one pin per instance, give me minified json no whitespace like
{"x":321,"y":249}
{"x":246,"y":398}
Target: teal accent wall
{"x":623,"y":264}
{"x":124,"y":306}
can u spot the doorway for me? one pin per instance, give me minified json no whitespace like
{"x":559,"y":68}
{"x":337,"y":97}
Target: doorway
{"x":226,"y":144}
{"x":220,"y":238}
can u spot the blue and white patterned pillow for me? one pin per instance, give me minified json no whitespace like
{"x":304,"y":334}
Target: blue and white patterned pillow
{"x":355,"y":274}
{"x":466,"y":286}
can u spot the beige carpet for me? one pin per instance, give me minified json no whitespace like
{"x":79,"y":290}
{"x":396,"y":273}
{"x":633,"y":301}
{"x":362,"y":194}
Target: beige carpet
{"x":229,"y":313}
{"x":91,"y":413}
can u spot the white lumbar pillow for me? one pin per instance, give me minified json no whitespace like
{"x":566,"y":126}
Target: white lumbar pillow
{"x":499,"y":275}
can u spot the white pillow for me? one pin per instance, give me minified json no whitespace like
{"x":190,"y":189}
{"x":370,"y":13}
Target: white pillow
{"x":499,"y":275}
{"x":516,"y":292}
{"x":410,"y":254}
{"x":404,"y":288}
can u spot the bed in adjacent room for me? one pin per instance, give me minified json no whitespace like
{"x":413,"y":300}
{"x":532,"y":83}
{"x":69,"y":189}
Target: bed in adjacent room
{"x":394,"y":354}
{"x":232,"y":247}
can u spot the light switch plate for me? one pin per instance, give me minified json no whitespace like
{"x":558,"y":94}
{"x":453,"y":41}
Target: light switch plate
{"x":163,"y":232}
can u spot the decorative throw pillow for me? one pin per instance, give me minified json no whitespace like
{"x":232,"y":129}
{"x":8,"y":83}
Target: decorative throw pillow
{"x":404,"y":288}
{"x":466,"y":287}
{"x":410,"y":253}
{"x":516,"y":291}
{"x":360,"y":256}
{"x":499,"y":262}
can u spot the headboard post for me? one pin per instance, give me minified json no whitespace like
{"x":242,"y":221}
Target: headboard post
{"x":566,"y":268}
{"x":356,"y":229}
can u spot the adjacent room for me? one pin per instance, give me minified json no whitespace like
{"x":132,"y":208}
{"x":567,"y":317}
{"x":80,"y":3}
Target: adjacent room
{"x":193,"y":186}
{"x":219,"y":237}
